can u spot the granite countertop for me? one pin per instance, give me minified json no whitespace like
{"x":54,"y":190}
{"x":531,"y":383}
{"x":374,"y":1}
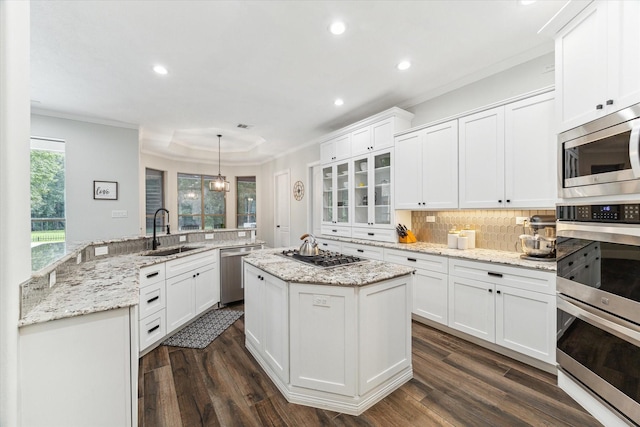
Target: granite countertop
{"x":483,"y":255}
{"x":106,"y":283}
{"x":357,"y":274}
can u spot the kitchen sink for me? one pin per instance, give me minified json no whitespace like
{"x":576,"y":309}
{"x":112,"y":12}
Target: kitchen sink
{"x":172,"y":251}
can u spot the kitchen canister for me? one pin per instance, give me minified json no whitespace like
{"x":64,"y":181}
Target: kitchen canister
{"x":452,"y":239}
{"x":471,"y":236}
{"x":463,"y":241}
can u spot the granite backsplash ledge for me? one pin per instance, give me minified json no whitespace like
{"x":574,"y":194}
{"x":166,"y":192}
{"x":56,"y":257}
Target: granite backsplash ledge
{"x":495,"y":229}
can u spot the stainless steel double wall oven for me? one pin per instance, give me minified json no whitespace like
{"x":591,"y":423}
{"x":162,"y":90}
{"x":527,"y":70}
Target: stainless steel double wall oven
{"x":598,"y":256}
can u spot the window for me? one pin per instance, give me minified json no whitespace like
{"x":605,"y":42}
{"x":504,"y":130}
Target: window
{"x":246,"y":202}
{"x":154,"y":197}
{"x":48,"y":222}
{"x":198,"y":207}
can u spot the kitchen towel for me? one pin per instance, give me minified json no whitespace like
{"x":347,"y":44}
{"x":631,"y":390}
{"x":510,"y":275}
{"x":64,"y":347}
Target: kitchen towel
{"x":207,"y":328}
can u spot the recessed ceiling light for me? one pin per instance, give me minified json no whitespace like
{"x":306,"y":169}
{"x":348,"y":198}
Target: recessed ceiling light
{"x":160,"y":69}
{"x":338,"y":102}
{"x":337,"y":28}
{"x":403,"y":65}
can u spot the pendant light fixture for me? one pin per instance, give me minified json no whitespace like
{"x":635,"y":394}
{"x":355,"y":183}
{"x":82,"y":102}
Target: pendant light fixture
{"x":219,"y":183}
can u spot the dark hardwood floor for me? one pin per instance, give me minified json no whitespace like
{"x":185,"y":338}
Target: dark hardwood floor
{"x":455,"y":383}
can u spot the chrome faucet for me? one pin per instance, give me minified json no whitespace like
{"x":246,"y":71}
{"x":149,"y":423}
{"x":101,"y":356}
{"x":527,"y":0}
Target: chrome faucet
{"x":155,"y":243}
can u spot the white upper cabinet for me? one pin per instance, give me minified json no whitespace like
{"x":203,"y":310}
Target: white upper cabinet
{"x":530,"y":153}
{"x":482,"y":159}
{"x":426,"y":176}
{"x":508,"y":156}
{"x":597,"y":62}
{"x":335,"y":149}
{"x":377,"y":136}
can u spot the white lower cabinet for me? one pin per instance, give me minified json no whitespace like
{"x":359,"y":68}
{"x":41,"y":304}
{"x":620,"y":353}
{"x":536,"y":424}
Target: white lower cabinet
{"x":193,"y":285}
{"x":79,"y":371}
{"x":329,"y":245}
{"x":430,"y":287}
{"x":174,"y":292}
{"x":364,"y":251}
{"x":267,"y":319}
{"x":509,"y":306}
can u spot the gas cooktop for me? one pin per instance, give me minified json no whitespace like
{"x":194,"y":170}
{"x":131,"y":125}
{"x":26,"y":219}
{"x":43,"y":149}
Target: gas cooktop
{"x":324,"y":259}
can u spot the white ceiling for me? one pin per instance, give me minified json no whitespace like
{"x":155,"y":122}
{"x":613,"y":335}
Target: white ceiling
{"x":269,"y":64}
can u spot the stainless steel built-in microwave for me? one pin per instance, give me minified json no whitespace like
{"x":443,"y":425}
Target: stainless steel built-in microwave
{"x":601,"y":158}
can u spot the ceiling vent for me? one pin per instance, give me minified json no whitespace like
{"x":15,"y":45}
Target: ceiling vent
{"x":243,"y":126}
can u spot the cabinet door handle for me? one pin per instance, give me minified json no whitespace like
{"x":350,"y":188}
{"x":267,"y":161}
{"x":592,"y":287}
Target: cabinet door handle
{"x":498,"y":292}
{"x":599,"y":107}
{"x":586,"y":266}
{"x":153,"y":329}
{"x":335,"y":231}
{"x":277,"y":226}
{"x":508,"y":201}
{"x":197,"y":274}
{"x":412,"y":259}
{"x":609,"y":101}
{"x":360,"y":250}
{"x":150,"y":275}
{"x":572,"y":277}
{"x":491,"y":273}
{"x":325,"y":244}
{"x":490,"y":291}
{"x":149,"y":301}
{"x":500,"y":201}
{"x":570,"y":263}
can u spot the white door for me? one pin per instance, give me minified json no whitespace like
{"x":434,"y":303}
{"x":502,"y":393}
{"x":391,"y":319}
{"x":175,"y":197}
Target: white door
{"x":316,"y":199}
{"x":282,"y":217}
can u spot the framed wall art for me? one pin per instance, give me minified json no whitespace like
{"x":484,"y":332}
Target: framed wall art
{"x":105,"y":190}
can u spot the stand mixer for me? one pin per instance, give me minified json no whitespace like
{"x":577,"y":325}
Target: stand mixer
{"x":540,"y":245}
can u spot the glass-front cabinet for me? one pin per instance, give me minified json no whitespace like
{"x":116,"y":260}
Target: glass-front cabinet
{"x":335,"y":193}
{"x":372,"y":190}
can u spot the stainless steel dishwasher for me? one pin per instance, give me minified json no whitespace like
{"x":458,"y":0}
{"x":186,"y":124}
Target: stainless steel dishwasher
{"x":231,"y":286}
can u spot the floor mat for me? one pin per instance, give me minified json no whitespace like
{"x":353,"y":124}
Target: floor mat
{"x":200,"y":333}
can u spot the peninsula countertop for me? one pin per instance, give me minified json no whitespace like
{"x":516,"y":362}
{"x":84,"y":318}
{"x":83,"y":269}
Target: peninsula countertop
{"x":106,"y":283}
{"x":290,"y":270}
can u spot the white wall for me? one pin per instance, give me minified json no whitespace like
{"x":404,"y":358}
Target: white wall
{"x":523,"y":78}
{"x":297,"y":163}
{"x":102,"y":153}
{"x":171,"y":169}
{"x":15,"y":253}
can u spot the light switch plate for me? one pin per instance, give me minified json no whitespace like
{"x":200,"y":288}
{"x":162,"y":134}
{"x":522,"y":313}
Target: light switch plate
{"x":52,"y":278}
{"x":102,"y":250}
{"x":119,"y":214}
{"x":208,"y":236}
{"x":183,"y":238}
{"x":521,"y":219}
{"x":431,"y":218}
{"x":242,"y":233}
{"x":321,"y":300}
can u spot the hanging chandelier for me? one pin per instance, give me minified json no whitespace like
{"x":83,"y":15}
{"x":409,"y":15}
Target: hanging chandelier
{"x":219,"y":183}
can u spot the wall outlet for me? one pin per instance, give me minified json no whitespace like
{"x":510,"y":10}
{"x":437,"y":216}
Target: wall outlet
{"x":183,"y":238}
{"x":79,"y":258}
{"x":321,"y":300}
{"x":431,"y":218}
{"x":102,"y":250}
{"x":521,"y":219}
{"x":242,"y":233}
{"x":208,"y":236}
{"x":52,"y":278}
{"x":119,"y":214}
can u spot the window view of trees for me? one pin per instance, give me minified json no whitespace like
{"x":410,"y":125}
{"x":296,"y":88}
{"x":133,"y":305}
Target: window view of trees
{"x":198,"y":207}
{"x":246,"y":201}
{"x":47,"y":191}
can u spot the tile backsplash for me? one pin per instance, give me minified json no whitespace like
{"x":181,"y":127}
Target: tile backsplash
{"x":495,"y":229}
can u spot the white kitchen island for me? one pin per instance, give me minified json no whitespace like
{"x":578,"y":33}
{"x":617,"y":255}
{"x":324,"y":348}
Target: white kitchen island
{"x":335,"y":338}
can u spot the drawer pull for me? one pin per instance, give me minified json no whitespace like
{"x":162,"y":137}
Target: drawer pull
{"x":325,"y":244}
{"x":153,"y":329}
{"x":335,"y":231}
{"x":371,"y":234}
{"x":570,"y":263}
{"x":360,"y":250}
{"x":150,"y":275}
{"x":491,"y":273}
{"x":412,"y":259}
{"x":149,"y":301}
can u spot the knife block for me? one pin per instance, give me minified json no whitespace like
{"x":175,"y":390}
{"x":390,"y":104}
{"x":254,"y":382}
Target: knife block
{"x":410,"y":238}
